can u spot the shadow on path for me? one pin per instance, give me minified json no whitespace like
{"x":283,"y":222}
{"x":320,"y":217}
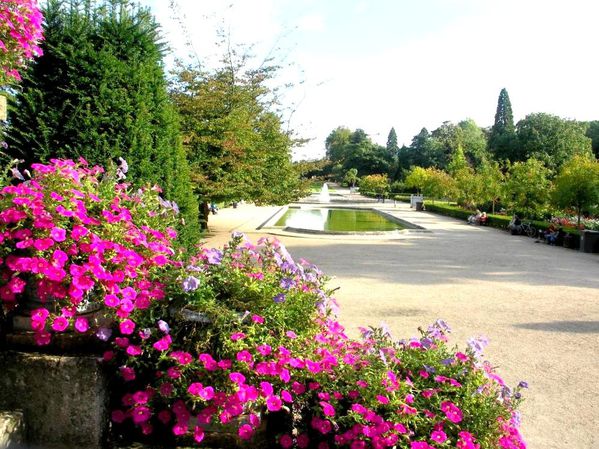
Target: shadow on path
{"x":576,"y":327}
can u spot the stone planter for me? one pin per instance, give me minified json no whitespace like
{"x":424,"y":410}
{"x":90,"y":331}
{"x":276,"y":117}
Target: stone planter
{"x":589,"y":241}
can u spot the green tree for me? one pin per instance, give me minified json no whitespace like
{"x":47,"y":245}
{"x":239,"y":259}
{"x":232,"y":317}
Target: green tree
{"x":419,"y":153}
{"x":99,"y":92}
{"x":593,"y":134}
{"x":336,"y":144}
{"x":235,"y":142}
{"x":552,"y":139}
{"x":474,"y":142}
{"x":491,"y":179}
{"x":502,"y":138}
{"x":577,"y":184}
{"x":438,"y":184}
{"x":351,"y":177}
{"x":392,"y":146}
{"x":377,"y":184}
{"x":445,"y":141}
{"x":416,"y":178}
{"x":527,"y":187}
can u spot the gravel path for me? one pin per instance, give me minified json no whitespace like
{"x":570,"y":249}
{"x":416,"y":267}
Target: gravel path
{"x":537,"y":304}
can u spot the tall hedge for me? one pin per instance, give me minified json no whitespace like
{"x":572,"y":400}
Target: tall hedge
{"x":100,"y":92}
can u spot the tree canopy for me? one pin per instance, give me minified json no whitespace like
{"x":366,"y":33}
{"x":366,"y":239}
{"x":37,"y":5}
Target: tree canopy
{"x":99,"y":92}
{"x":577,"y":184}
{"x":235,"y":142}
{"x":551,"y":139}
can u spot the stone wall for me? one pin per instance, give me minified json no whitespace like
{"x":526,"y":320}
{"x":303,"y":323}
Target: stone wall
{"x":64,"y":399}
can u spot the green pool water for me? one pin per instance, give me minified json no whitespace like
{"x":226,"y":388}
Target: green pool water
{"x":337,"y":220}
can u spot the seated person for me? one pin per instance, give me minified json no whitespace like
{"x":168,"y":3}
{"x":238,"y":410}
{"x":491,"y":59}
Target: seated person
{"x":483,"y":219}
{"x":550,"y":234}
{"x":475,"y":218}
{"x":515,"y":226}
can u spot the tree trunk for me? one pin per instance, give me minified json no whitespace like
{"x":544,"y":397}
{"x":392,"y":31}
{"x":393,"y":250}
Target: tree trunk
{"x":204,"y":214}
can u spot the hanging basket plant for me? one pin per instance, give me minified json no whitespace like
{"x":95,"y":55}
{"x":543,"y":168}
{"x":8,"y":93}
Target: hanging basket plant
{"x":20,"y":35}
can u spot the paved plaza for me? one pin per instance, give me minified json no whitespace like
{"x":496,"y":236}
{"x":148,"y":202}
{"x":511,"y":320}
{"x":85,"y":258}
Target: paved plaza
{"x":537,"y":304}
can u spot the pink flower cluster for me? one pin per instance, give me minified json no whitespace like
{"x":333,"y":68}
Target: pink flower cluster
{"x":21,"y":28}
{"x":69,"y":243}
{"x":359,"y":393}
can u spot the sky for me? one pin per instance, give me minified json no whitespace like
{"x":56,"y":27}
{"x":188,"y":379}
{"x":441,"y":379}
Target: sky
{"x":406,"y":64}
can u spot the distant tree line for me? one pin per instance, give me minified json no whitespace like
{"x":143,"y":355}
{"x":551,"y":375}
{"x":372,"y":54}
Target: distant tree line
{"x":528,"y":167}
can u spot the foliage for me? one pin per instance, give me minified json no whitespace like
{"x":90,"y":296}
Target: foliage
{"x":336,"y":143}
{"x":438,"y":184}
{"x":355,"y":149}
{"x":416,"y":178}
{"x":351,"y":177}
{"x":502,"y":139}
{"x":99,"y":92}
{"x":392,"y":146}
{"x":234,"y":138}
{"x":20,"y":34}
{"x":577,"y":185}
{"x":473,"y":142}
{"x":419,"y":153}
{"x":527,"y":188}
{"x":551,"y":139}
{"x":491,"y":179}
{"x":593,"y":134}
{"x":375,"y":184}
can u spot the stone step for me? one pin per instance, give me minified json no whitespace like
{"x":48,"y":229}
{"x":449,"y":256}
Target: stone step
{"x":12,"y":429}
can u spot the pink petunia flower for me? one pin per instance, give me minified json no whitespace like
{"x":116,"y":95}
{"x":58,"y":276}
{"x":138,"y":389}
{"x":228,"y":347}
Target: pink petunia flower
{"x":438,"y":436}
{"x":81,"y":324}
{"x":60,"y":323}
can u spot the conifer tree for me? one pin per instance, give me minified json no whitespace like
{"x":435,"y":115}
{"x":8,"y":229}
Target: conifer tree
{"x":99,"y":92}
{"x":392,"y":146}
{"x":502,"y":139}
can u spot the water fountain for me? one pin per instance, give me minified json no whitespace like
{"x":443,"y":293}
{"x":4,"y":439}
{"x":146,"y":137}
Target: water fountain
{"x":324,"y":196}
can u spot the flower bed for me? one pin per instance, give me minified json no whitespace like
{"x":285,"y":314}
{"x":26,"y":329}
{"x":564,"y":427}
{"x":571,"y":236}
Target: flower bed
{"x":228,"y":337}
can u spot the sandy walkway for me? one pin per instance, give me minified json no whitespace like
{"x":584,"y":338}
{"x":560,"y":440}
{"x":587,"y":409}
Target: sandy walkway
{"x":538,"y":305}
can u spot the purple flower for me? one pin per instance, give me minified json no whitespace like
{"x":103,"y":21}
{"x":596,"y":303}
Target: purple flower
{"x":477,"y":344}
{"x":164,"y":327}
{"x":238,"y":235}
{"x":523,"y":384}
{"x":279,"y":298}
{"x":104,"y":333}
{"x":213,"y":256}
{"x":287,"y":283}
{"x":447,"y":361}
{"x":190,"y":283}
{"x":385,"y":329}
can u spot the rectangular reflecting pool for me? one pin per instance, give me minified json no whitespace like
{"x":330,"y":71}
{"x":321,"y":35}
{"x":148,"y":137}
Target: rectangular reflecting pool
{"x":337,"y":220}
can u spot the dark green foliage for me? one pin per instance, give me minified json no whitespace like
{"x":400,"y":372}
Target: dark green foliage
{"x":419,"y":153}
{"x":336,"y":144}
{"x":392,"y":146}
{"x":502,"y":138}
{"x":347,"y":150}
{"x":551,"y":139}
{"x":99,"y":92}
{"x":593,"y":134}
